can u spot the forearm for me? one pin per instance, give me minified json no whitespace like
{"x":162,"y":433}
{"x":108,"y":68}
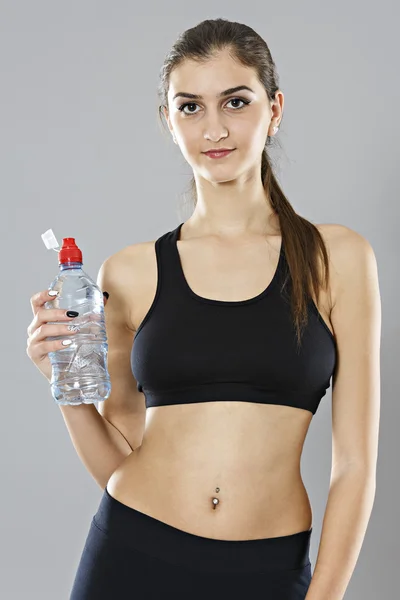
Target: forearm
{"x":99,"y":445}
{"x":348,"y":509}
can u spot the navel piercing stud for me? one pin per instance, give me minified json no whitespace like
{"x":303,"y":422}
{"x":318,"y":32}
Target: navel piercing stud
{"x":215,"y":501}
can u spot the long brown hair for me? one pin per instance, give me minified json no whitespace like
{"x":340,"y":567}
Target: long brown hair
{"x":301,"y":239}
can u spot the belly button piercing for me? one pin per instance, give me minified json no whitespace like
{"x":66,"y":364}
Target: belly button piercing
{"x":215,"y":501}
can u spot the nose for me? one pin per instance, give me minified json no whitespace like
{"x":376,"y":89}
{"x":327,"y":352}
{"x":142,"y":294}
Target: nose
{"x":214,"y":131}
{"x":215,"y":136}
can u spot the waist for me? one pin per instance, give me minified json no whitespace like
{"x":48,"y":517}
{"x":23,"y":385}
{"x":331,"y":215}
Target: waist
{"x":255,"y":499}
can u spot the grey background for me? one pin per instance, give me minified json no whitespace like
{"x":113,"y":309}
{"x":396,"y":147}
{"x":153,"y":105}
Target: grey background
{"x":82,"y":153}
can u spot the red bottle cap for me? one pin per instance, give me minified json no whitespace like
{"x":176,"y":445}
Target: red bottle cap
{"x":69,"y":252}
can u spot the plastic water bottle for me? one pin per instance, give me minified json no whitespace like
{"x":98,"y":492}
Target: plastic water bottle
{"x":79,"y":371}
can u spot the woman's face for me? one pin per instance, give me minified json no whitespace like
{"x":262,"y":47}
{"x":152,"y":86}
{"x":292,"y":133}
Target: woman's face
{"x":240,"y":120}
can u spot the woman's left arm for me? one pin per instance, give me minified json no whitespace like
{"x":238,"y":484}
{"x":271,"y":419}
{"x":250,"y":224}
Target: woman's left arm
{"x":356,"y":319}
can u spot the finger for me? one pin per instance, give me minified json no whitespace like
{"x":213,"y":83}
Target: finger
{"x":39,"y":299}
{"x":49,"y":315}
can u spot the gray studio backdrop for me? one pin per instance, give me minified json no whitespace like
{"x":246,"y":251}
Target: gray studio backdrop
{"x":82,"y":153}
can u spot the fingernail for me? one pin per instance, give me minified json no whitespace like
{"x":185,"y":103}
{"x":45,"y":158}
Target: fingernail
{"x":53,"y":293}
{"x":106,"y":294}
{"x":72,"y":313}
{"x":66,"y":342}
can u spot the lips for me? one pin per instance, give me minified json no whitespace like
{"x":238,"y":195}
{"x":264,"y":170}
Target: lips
{"x":218,"y":153}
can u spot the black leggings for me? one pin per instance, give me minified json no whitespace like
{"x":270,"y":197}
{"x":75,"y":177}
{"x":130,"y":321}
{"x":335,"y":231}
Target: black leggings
{"x":129,"y":555}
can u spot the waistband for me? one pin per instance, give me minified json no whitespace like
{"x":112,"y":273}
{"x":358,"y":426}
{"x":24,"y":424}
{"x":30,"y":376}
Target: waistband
{"x":131,"y":528}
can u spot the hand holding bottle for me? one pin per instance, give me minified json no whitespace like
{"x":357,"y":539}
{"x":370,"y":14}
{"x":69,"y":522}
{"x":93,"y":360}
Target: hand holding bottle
{"x":39,"y":329}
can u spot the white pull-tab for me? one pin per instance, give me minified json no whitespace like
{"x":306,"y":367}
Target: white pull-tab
{"x":50,"y":240}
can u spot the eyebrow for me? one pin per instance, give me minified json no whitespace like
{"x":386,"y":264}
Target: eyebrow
{"x":224,"y":93}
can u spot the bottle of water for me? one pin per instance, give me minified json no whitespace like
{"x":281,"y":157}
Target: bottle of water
{"x":79,"y":371}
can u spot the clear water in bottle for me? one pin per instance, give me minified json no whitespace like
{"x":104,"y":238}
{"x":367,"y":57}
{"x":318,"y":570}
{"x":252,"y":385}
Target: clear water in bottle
{"x":79,"y":371}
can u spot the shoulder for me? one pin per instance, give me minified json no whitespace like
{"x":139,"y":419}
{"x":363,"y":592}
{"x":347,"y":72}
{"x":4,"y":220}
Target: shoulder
{"x":125,"y":273}
{"x":349,"y":252}
{"x":132,"y":255}
{"x":128,"y":262}
{"x":340,"y":237}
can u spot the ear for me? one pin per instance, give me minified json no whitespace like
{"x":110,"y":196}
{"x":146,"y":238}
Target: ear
{"x":168,"y":120}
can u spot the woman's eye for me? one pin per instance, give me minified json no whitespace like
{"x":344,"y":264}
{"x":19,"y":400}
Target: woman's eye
{"x":183,"y":106}
{"x":239,"y":100}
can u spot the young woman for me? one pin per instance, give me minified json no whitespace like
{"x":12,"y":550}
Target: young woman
{"x":223,"y":337}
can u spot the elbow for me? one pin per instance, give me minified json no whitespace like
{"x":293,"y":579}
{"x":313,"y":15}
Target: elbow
{"x":356,"y":471}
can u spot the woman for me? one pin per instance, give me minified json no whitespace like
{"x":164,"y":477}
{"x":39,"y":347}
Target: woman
{"x":224,"y":334}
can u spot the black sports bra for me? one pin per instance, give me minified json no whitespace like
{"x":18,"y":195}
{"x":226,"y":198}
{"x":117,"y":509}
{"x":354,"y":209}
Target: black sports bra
{"x":193,"y":349}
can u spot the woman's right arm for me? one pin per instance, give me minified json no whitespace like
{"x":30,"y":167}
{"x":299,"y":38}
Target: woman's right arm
{"x":100,"y":445}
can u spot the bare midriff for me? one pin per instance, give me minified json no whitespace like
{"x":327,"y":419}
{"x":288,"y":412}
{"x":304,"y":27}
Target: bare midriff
{"x":224,"y":470}
{"x":245,"y":455}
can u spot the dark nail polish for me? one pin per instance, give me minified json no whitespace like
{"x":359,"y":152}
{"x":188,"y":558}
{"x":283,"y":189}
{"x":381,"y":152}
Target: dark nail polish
{"x":72,"y":313}
{"x":106,"y":294}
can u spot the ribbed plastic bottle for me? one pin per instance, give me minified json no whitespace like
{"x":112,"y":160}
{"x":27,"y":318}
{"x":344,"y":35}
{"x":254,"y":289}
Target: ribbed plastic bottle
{"x":80,"y":373}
